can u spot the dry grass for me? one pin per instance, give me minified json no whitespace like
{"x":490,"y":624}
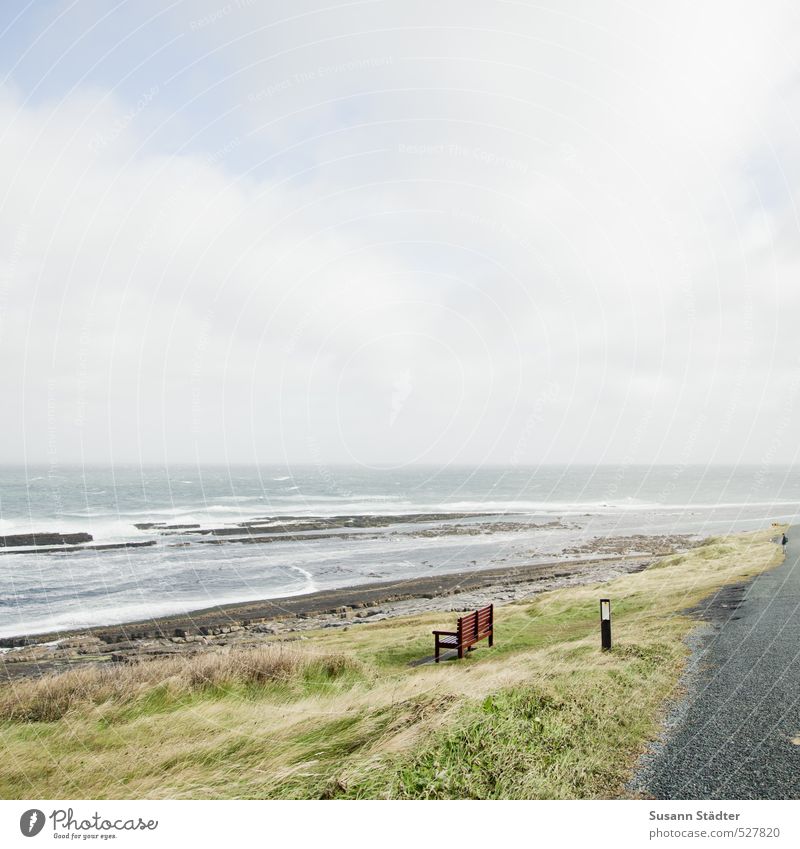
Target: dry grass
{"x":51,"y":697}
{"x":544,"y":714}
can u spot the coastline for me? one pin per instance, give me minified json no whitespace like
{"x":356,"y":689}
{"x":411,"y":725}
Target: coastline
{"x":363,"y":712}
{"x":253,"y":623}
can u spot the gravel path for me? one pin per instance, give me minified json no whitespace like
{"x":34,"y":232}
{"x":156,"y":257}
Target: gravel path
{"x":732,"y":736}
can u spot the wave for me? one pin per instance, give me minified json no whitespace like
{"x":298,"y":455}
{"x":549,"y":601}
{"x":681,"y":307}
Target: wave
{"x":118,"y":525}
{"x":93,"y":615}
{"x":626,"y":505}
{"x":310,"y":585}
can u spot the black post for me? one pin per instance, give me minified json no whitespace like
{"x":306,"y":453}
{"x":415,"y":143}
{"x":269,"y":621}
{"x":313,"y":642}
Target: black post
{"x":605,"y":623}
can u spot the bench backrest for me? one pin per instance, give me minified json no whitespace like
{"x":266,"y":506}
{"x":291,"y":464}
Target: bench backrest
{"x":476,"y":625}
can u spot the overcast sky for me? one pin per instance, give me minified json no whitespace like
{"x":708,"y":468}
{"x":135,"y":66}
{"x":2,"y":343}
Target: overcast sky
{"x":401,"y":231}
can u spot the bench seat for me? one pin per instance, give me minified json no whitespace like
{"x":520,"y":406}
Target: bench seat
{"x":475,"y":626}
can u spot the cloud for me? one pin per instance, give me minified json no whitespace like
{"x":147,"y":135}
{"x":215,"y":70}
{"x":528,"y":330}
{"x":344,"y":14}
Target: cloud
{"x":541,"y":228}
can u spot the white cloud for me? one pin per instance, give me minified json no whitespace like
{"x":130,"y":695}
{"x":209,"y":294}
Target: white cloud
{"x":490,"y":200}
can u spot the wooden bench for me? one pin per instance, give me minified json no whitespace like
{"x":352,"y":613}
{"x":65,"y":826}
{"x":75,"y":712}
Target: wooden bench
{"x":475,"y":626}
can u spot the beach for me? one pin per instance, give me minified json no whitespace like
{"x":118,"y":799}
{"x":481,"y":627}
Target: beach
{"x":87,"y":548}
{"x":109,"y":565}
{"x":254,"y":623}
{"x":325,"y":701}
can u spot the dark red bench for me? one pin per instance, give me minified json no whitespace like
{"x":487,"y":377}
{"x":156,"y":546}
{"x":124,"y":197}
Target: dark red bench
{"x":475,"y":626}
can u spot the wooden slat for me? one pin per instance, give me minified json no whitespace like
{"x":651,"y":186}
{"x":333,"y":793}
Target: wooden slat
{"x":471,"y":628}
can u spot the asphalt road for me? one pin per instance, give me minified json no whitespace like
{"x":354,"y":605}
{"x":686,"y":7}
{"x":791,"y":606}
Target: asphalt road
{"x":731,"y":738}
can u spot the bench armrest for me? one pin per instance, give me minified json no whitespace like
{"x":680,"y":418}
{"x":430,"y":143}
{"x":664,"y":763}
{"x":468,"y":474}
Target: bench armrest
{"x":446,"y":633}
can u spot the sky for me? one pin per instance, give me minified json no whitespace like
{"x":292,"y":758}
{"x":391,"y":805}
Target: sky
{"x":395,"y":232}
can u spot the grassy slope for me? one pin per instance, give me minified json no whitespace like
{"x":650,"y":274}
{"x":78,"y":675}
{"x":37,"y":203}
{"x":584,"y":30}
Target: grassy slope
{"x":544,"y":714}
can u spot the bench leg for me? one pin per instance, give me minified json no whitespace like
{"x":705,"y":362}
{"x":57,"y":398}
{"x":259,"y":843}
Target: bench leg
{"x":437,"y":651}
{"x":460,"y":651}
{"x":491,"y":639}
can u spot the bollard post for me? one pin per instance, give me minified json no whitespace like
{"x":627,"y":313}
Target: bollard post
{"x":605,"y":623}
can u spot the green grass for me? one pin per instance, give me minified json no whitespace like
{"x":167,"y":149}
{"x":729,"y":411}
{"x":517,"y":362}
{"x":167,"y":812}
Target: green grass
{"x":543,"y":714}
{"x":538,"y":741}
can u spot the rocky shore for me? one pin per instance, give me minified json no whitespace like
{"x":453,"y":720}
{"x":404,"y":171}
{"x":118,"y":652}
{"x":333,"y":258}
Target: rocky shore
{"x":43,"y":538}
{"x":268,"y":529}
{"x":254,"y":623}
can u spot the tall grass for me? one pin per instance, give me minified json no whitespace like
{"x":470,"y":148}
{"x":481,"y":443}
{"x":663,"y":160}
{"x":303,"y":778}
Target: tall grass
{"x":51,"y":697}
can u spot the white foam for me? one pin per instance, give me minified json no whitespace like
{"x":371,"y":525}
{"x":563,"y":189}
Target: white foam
{"x":94,"y":615}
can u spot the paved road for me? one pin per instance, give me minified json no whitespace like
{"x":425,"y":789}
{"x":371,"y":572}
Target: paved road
{"x":732,"y":736}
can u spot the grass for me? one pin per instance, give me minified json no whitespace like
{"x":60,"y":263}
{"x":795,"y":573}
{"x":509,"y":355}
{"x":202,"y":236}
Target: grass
{"x":544,"y":714}
{"x":161,"y":685}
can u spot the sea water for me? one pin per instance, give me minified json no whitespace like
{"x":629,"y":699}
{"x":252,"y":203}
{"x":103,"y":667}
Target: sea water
{"x":555,"y":508}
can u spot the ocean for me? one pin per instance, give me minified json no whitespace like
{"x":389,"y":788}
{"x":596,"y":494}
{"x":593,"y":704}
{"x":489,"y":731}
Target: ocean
{"x":273,"y":531}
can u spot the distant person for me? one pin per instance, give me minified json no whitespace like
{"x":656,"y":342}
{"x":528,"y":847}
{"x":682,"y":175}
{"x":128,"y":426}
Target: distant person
{"x":784,"y":539}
